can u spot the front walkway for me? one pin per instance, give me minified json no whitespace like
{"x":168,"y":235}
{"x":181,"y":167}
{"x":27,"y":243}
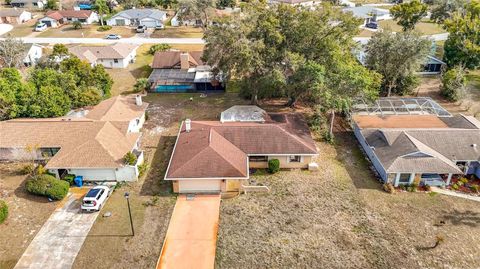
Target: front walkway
{"x":192,"y":234}
{"x":456,"y":194}
{"x":57,"y":243}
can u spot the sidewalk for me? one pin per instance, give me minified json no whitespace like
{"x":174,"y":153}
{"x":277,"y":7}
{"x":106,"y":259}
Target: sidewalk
{"x":456,"y":194}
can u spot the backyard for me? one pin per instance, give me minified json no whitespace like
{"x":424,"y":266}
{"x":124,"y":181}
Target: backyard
{"x":27,"y":213}
{"x":424,"y":27}
{"x":340,"y":218}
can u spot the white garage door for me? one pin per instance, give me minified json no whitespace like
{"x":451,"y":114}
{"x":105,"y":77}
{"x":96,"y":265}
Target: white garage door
{"x":149,"y":23}
{"x":193,"y":186}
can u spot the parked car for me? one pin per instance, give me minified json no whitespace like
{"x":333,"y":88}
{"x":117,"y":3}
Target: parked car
{"x":159,"y":27}
{"x":141,"y":29}
{"x":95,"y":198}
{"x":113,"y":36}
{"x":40,"y":27}
{"x":372,"y":25}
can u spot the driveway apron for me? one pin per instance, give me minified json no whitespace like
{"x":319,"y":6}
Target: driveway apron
{"x":191,"y":237}
{"x":59,"y":240}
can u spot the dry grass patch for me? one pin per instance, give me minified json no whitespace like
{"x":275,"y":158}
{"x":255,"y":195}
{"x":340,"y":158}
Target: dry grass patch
{"x":340,"y":218}
{"x":424,"y":27}
{"x":177,"y":32}
{"x":22,"y":30}
{"x":27,"y":214}
{"x":87,"y":31}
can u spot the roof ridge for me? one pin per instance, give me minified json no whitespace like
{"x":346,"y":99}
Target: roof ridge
{"x":107,"y":124}
{"x":230,"y":143}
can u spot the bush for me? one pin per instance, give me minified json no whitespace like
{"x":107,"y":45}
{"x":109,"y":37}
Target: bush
{"x":159,"y":47}
{"x":40,"y":170}
{"x":453,"y":84}
{"x":464,"y":180}
{"x":455,"y":186}
{"x":428,"y":187}
{"x":27,"y":169}
{"x":328,"y":137}
{"x":77,"y":25}
{"x":273,"y":166}
{"x":412,"y":187}
{"x":47,"y":185}
{"x":3,"y":211}
{"x":69,"y":178}
{"x":104,"y":28}
{"x":142,"y":169}
{"x":474,"y":188}
{"x":130,"y":158}
{"x":388,"y":187}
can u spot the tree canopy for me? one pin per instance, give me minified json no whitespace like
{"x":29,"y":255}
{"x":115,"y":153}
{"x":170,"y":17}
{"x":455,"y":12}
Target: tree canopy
{"x":302,"y":54}
{"x":397,"y":56}
{"x":463,"y":44}
{"x":444,"y":9}
{"x":201,"y":10}
{"x":409,"y":14}
{"x":12,"y":52}
{"x":52,"y":91}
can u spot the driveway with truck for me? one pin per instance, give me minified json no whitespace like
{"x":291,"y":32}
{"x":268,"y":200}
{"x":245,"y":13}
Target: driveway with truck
{"x":57,"y":243}
{"x":192,"y":233}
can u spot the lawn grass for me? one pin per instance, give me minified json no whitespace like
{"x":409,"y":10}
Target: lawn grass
{"x":424,"y":27}
{"x":22,"y":30}
{"x":88,"y":31}
{"x":365,"y":33}
{"x":339,"y":217}
{"x":182,"y":31}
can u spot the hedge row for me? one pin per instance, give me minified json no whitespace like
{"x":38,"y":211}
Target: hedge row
{"x":47,"y":185}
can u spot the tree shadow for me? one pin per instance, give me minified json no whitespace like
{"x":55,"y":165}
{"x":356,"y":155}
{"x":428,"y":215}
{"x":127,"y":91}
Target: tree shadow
{"x":466,"y":218}
{"x":154,"y":183}
{"x":350,"y":154}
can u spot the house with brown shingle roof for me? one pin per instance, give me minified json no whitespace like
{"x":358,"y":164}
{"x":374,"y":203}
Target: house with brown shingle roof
{"x":91,"y":144}
{"x":56,"y":18}
{"x":14,"y":15}
{"x":215,"y":156}
{"x":118,"y":55}
{"x":414,"y":140}
{"x":176,"y":71}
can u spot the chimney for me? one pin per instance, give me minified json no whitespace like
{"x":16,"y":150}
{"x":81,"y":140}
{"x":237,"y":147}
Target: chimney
{"x":188,"y":125}
{"x":138,"y":100}
{"x":184,"y":60}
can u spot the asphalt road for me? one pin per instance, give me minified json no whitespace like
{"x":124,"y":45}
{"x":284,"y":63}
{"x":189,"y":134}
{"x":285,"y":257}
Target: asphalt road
{"x":131,"y":40}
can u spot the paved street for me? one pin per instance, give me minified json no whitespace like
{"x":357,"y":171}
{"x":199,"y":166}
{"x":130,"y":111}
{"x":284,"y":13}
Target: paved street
{"x":132,"y":40}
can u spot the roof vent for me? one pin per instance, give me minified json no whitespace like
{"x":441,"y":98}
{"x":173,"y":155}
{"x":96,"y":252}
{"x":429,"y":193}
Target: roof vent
{"x":188,"y":125}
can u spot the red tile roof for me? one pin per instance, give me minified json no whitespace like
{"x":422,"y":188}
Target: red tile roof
{"x":59,"y":14}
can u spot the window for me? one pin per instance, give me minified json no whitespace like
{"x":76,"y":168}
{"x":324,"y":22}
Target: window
{"x":115,"y":61}
{"x":295,"y":158}
{"x":404,"y":179}
{"x":258,"y":158}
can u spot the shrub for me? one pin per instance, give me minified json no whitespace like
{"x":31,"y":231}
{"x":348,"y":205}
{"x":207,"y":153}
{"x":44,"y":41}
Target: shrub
{"x":388,"y":187}
{"x":328,"y":137}
{"x":159,"y":47}
{"x":77,"y":25}
{"x":453,"y":84}
{"x":273,"y":166}
{"x":464,"y":180}
{"x":40,"y":170}
{"x":104,"y":28}
{"x":474,"y":188}
{"x":3,"y":211}
{"x":69,"y":178}
{"x":455,"y":186}
{"x":412,"y":187}
{"x":27,"y":169}
{"x":47,"y":185}
{"x":130,"y":158}
{"x":428,"y":187}
{"x":142,"y":169}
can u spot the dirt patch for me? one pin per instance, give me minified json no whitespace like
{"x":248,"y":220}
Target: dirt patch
{"x":27,"y":214}
{"x":340,"y":218}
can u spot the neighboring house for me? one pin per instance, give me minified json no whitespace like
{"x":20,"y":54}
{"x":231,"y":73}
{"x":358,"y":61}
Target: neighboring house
{"x":176,"y":21}
{"x":305,"y":3}
{"x":30,"y":4}
{"x":134,"y":17}
{"x":14,"y":16}
{"x":369,"y":13}
{"x":414,"y":140}
{"x":175,"y":71}
{"x":211,"y":156}
{"x":56,"y":18}
{"x":91,"y":146}
{"x":118,"y":55}
{"x":33,"y":53}
{"x":431,"y":65}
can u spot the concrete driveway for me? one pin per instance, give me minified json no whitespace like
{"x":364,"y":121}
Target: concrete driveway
{"x":192,"y":234}
{"x":59,"y":240}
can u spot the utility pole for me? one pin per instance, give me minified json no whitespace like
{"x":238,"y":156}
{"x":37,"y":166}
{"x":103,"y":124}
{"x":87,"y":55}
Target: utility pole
{"x":127,"y":196}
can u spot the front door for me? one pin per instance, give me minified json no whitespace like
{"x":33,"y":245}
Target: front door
{"x":62,"y":173}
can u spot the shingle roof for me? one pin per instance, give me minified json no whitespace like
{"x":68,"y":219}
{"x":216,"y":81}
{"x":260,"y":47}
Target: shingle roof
{"x":59,"y":14}
{"x":171,"y":59}
{"x":141,"y":14}
{"x":92,"y":53}
{"x":204,"y":151}
{"x":11,"y":12}
{"x":119,"y":108}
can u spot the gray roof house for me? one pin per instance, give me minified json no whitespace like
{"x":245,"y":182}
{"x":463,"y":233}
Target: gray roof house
{"x":32,"y":4}
{"x":417,"y":145}
{"x":134,"y":17}
{"x":369,"y":13}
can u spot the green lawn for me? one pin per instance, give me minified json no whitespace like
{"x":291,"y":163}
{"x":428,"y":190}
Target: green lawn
{"x":22,"y":30}
{"x":424,"y":27}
